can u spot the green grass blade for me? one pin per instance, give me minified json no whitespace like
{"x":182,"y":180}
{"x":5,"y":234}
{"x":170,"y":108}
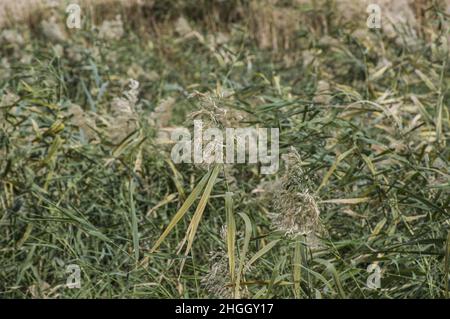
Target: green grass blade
{"x":446,"y":265}
{"x":231,"y":234}
{"x":243,"y":253}
{"x":134,"y":221}
{"x":192,"y":229}
{"x":297,"y":271}
{"x":182,"y":211}
{"x":333,"y":168}
{"x":261,"y":253}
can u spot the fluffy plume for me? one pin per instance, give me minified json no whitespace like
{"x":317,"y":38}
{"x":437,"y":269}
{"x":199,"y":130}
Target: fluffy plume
{"x":111,"y":29}
{"x":53,"y":30}
{"x":295,"y":209}
{"x":123,"y":113}
{"x":217,"y":280}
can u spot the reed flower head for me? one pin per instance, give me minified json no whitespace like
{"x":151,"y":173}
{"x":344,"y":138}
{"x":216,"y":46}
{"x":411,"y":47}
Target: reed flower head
{"x":124,"y":115}
{"x":52,"y":30}
{"x":11,"y":37}
{"x":295,"y":209}
{"x":296,"y":214}
{"x":214,"y":112}
{"x":218,"y":280}
{"x":111,"y":29}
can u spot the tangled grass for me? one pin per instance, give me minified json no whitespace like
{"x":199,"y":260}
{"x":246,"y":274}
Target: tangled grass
{"x":86,"y":176}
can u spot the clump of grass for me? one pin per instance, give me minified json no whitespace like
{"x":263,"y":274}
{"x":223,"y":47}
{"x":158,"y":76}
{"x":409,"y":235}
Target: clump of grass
{"x":84,"y":178}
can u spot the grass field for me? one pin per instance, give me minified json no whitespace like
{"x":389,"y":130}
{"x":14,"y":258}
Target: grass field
{"x":87,"y":179}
